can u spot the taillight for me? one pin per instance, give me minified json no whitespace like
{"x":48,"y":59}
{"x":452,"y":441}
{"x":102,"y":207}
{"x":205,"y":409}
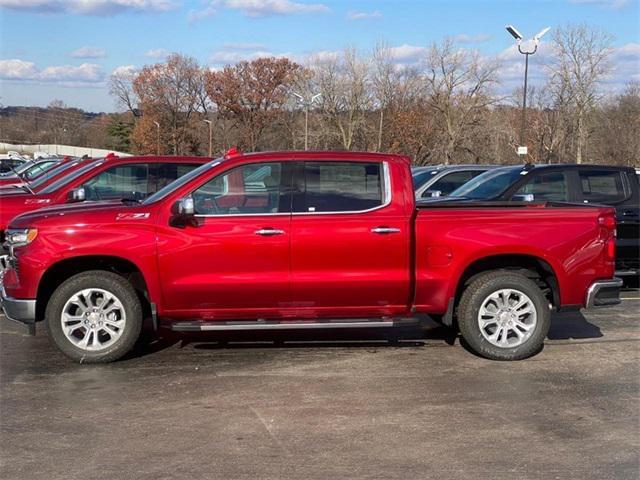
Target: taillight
{"x":608,"y":222}
{"x":611,"y":249}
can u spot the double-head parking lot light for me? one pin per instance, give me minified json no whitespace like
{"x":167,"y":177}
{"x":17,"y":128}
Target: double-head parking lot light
{"x":527,"y":48}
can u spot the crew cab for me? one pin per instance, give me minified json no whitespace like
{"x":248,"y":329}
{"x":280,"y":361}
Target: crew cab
{"x":109,"y":178}
{"x":304,"y":240}
{"x":609,"y":185}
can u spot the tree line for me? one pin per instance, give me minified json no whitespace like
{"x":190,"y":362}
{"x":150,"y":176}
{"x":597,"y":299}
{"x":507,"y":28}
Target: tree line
{"x":445,"y":109}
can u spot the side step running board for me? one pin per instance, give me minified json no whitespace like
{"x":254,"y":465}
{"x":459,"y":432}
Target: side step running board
{"x":295,"y":325}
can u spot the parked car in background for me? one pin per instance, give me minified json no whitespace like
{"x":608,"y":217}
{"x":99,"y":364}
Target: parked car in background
{"x":52,"y":175}
{"x":29,"y":171}
{"x":9,"y":164}
{"x":132,"y":178}
{"x":441,"y":180}
{"x":302,"y":240}
{"x":593,"y":184}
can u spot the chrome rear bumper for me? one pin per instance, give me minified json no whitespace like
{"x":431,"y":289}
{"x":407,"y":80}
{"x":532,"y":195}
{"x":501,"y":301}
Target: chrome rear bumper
{"x":604,"y":293}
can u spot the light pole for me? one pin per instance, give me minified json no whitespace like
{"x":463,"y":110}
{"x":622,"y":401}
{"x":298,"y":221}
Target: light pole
{"x":530,"y":47}
{"x":306,"y":102}
{"x":157,"y":138}
{"x":210,"y":136}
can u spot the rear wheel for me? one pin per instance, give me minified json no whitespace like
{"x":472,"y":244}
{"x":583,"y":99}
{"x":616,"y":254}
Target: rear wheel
{"x":94,"y":317}
{"x":504,"y":316}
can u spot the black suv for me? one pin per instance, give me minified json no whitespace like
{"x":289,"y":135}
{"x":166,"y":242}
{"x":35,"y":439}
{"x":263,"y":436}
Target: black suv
{"x":594,"y":184}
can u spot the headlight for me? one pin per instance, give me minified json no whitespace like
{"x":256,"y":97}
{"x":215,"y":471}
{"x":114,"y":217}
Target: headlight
{"x":19,"y":237}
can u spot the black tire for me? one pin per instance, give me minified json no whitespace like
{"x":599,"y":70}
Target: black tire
{"x":471,"y":301}
{"x":112,"y":283}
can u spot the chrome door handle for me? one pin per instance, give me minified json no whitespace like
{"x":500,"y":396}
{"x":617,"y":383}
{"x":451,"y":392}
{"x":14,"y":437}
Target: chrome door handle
{"x":385,"y":230}
{"x":269,"y":232}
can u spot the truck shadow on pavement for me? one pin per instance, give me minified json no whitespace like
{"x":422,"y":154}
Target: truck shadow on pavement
{"x":564,"y":326}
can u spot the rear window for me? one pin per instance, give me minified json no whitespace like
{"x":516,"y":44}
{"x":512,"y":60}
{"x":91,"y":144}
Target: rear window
{"x":341,"y":187}
{"x":602,"y":186}
{"x":548,"y":186}
{"x":68,"y":178}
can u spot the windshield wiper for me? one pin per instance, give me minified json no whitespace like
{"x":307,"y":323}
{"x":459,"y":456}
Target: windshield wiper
{"x":131,"y":200}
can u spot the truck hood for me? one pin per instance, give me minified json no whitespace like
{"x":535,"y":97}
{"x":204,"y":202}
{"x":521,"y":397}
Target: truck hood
{"x":80,"y":212}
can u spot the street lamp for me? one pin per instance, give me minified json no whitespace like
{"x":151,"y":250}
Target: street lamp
{"x":306,"y":102}
{"x":157,"y":138}
{"x":528,"y":48}
{"x":210,"y":136}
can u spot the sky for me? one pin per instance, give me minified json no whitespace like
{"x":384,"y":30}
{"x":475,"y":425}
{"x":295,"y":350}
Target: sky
{"x":67,"y":49}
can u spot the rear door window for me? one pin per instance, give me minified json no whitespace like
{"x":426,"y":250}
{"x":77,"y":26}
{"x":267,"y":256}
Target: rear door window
{"x":162,"y":174}
{"x":552,"y":187}
{"x":122,"y":181}
{"x":602,"y":186}
{"x":341,"y":187}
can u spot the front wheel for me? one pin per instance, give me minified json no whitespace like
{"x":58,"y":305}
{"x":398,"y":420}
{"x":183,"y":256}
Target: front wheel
{"x":504,"y":316}
{"x":94,"y":317}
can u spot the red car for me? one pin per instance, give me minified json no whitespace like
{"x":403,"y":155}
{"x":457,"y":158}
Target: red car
{"x":305,"y":240}
{"x":110,"y":178}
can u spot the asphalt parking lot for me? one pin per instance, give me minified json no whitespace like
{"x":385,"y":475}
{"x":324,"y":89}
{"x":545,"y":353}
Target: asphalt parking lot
{"x":409,"y":405}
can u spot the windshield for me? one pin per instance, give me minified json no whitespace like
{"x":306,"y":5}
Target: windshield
{"x":167,"y":189}
{"x":34,"y":171}
{"x":489,"y":185}
{"x":61,"y":182}
{"x":52,"y":173}
{"x":421,"y":177}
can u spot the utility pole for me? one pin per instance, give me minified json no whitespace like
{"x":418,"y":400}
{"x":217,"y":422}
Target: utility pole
{"x":157,"y":138}
{"x":210,"y":136}
{"x":306,"y":103}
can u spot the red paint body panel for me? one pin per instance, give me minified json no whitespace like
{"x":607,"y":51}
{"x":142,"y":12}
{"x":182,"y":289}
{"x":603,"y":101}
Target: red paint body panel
{"x":449,"y":240}
{"x":322,"y":265}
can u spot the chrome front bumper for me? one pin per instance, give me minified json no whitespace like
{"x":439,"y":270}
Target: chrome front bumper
{"x":604,"y":293}
{"x":23,"y":311}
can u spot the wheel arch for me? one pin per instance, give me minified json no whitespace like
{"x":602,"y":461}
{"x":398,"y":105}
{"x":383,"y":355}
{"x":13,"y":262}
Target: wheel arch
{"x":64,"y":269}
{"x":531,"y":266}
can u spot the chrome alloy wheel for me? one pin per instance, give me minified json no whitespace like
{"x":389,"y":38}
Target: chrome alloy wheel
{"x":93,"y":319}
{"x":507,"y":318}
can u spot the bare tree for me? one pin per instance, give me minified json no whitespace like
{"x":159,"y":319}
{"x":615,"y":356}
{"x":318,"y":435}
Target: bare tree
{"x":343,"y":80}
{"x":581,"y":61}
{"x":121,"y":88}
{"x":459,"y":84}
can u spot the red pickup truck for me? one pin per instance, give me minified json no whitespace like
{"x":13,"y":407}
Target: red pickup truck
{"x":109,"y":178}
{"x":305,"y":240}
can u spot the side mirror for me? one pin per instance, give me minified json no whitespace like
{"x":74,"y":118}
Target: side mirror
{"x":183,"y":213}
{"x":523,"y":197}
{"x":77,"y":195}
{"x":434,"y":193}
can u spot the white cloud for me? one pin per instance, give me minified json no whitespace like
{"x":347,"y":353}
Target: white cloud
{"x":229,"y":57}
{"x":89,"y":52}
{"x":408,"y":54}
{"x":625,"y":64}
{"x":256,"y":8}
{"x":355,"y":15}
{"x":464,"y":38}
{"x":125,"y":70}
{"x":612,"y":4}
{"x":160,"y":53}
{"x":89,"y":7}
{"x":87,"y":74}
